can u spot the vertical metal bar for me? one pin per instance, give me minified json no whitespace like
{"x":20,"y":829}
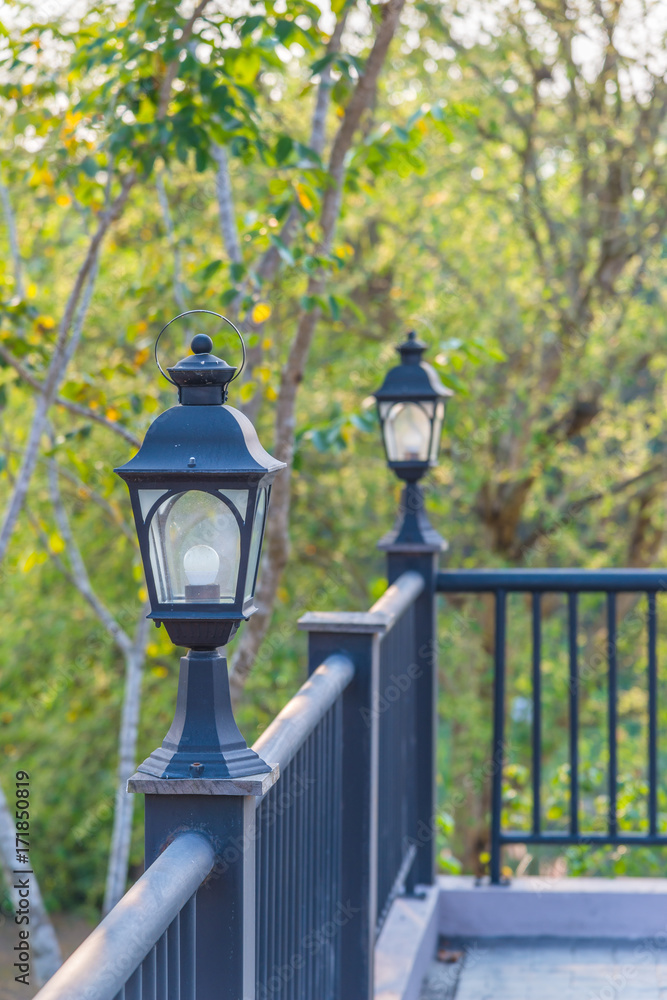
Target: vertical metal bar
{"x":288,"y":888}
{"x":271,"y":875}
{"x":174,"y":960}
{"x":652,"y":714}
{"x":337,"y":799}
{"x":321,"y":887}
{"x":133,"y":986}
{"x":310,"y":864}
{"x":498,"y":734}
{"x":161,"y":968}
{"x":188,"y":938}
{"x":537,"y":712}
{"x":280,"y":888}
{"x":148,"y":975}
{"x":300,"y":894}
{"x":265,"y":885}
{"x":574,"y":712}
{"x":293,"y":883}
{"x":612,"y":695}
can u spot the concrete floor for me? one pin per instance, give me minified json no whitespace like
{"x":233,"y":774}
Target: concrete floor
{"x":551,"y":969}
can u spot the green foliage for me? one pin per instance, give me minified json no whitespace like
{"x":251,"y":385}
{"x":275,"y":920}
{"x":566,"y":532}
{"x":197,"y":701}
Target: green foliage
{"x":442,"y":230}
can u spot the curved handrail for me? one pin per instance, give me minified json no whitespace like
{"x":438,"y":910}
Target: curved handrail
{"x":293,"y":725}
{"x":101,"y":966}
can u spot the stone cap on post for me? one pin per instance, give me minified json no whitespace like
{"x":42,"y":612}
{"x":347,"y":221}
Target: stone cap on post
{"x":254,"y":784}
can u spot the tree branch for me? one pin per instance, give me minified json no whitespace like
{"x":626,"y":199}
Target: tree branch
{"x":179,"y":290}
{"x":68,"y":404}
{"x":69,"y":334}
{"x":276,"y":545}
{"x":13,"y":239}
{"x":79,"y":574}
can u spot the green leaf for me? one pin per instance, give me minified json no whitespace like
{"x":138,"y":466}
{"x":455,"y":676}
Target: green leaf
{"x":211,"y":269}
{"x":250,"y":24}
{"x":284,"y":147}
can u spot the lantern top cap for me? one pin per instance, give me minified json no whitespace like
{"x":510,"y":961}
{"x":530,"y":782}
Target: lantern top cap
{"x":411,"y":350}
{"x":201,"y":367}
{"x":413,"y":378}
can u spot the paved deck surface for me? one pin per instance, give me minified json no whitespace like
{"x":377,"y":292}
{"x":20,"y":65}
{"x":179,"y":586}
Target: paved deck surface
{"x":506,"y":969}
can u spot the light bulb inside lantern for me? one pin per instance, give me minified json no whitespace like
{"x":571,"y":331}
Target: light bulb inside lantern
{"x":412,"y":445}
{"x":201,"y":564}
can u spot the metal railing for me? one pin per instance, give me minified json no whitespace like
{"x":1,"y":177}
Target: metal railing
{"x":144,"y":948}
{"x":397,"y":804}
{"x":298,"y":859}
{"x":300,"y":866}
{"x":571,"y":582}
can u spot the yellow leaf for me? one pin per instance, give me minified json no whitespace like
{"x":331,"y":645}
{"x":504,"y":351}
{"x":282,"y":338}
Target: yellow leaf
{"x":152,"y":649}
{"x":142,"y":326}
{"x":263,"y":372}
{"x":267,"y":344}
{"x":271,"y":394}
{"x":29,"y":562}
{"x":147,"y":111}
{"x":303,"y":197}
{"x":247,"y":391}
{"x":56,"y":543}
{"x":141,"y":356}
{"x":63,"y":200}
{"x":112,"y":414}
{"x":31,"y":290}
{"x":143,"y":594}
{"x":46,"y":322}
{"x":159,"y":671}
{"x":261,"y":312}
{"x":72,"y":716}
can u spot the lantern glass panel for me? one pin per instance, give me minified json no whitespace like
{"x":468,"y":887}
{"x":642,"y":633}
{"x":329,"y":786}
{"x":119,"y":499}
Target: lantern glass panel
{"x":255,"y":544}
{"x":407,"y":432}
{"x":437,"y":430}
{"x":195,"y":549}
{"x":240,"y":500}
{"x":147,"y":498}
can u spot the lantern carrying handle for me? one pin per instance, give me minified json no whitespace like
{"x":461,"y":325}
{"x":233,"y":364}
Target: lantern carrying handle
{"x":190,"y":312}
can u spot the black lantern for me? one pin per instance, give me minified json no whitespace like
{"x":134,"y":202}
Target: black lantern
{"x":411,"y":407}
{"x":200,"y":487}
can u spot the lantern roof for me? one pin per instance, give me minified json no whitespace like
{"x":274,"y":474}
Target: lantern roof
{"x":413,"y":378}
{"x":186,"y":440}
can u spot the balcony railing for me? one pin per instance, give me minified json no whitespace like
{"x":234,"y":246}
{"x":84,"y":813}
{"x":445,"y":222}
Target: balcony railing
{"x":276,"y":886}
{"x":572,"y":583}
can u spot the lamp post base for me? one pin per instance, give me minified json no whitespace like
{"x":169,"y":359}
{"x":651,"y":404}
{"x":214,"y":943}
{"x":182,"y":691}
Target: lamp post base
{"x":412,"y":530}
{"x":204,"y":740}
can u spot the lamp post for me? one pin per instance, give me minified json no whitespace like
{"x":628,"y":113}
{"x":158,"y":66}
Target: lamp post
{"x":200,"y":486}
{"x":411,"y":407}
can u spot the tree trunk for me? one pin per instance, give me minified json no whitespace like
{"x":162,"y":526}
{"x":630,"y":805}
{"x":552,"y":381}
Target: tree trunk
{"x":121,"y":838}
{"x":43,"y":941}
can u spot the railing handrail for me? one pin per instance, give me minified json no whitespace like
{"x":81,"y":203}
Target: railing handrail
{"x":296,"y":721}
{"x":101,"y":966}
{"x":380,"y":619}
{"x":551,"y":580}
{"x":398,"y":597}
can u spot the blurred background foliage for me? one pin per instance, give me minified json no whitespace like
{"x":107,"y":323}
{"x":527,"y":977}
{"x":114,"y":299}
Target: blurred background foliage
{"x":505,"y":198}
